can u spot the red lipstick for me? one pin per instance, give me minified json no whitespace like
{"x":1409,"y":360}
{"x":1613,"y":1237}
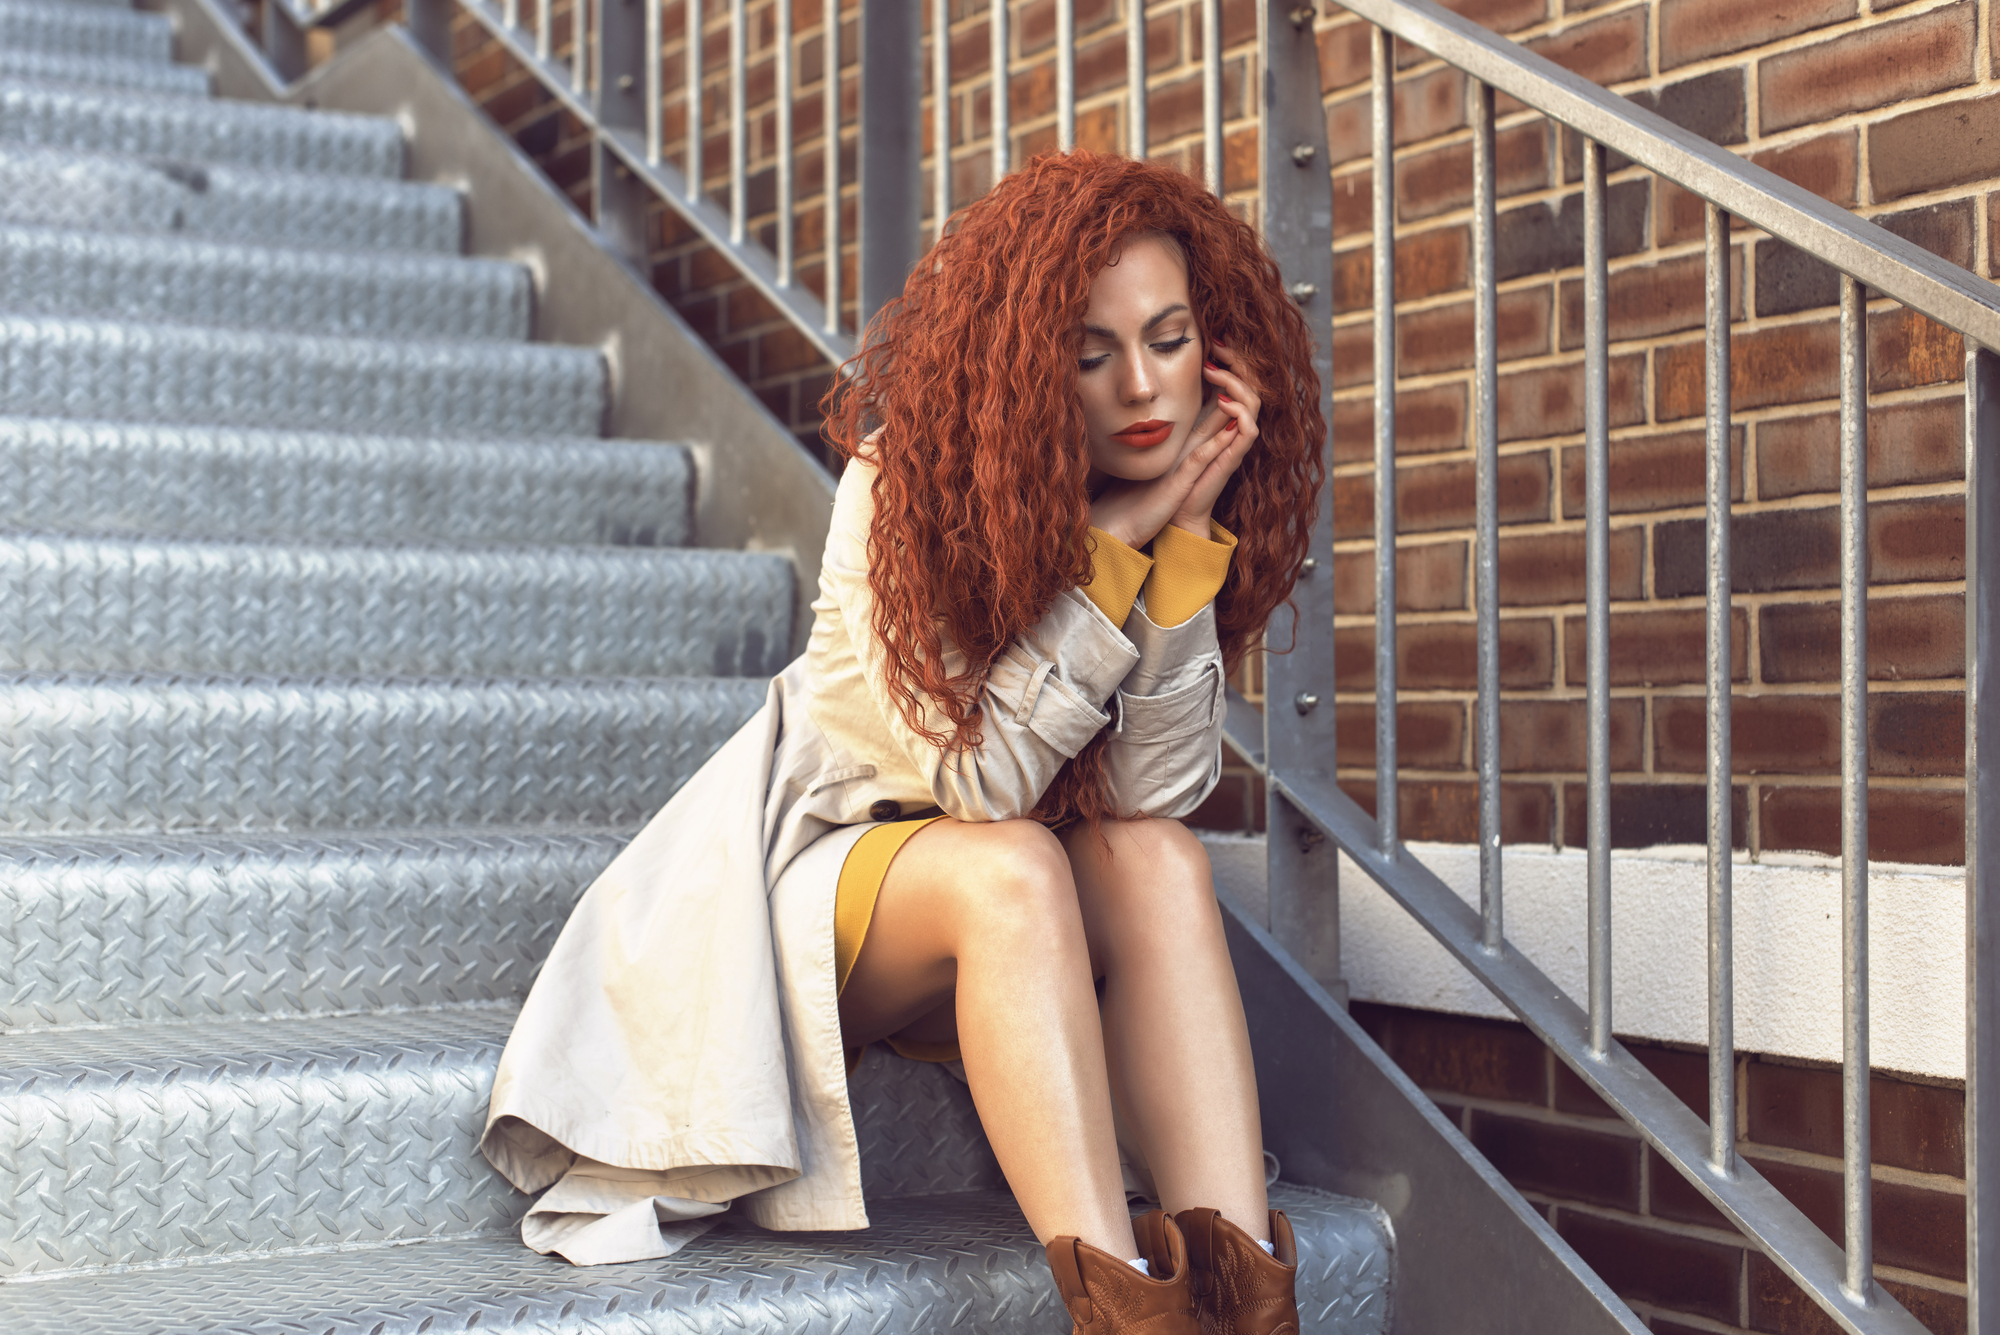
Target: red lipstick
{"x":1144,"y":435}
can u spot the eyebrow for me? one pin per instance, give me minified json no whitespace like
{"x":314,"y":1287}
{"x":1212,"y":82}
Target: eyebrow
{"x":1174,"y":309}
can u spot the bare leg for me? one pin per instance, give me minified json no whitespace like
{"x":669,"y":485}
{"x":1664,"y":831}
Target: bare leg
{"x":1174,"y":1033}
{"x":989,"y":912}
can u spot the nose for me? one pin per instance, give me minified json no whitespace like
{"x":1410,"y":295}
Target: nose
{"x":1140,"y":385}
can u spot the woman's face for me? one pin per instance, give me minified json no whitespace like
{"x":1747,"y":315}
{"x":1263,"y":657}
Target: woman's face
{"x":1139,"y":368}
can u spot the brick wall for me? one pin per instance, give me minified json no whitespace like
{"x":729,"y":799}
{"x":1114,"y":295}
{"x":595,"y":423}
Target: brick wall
{"x":1637,"y":1222}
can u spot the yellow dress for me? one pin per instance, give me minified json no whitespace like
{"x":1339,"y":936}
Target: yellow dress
{"x":1183,"y":574}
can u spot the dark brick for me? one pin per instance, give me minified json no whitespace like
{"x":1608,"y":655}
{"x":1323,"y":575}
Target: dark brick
{"x":1429,"y":578}
{"x":1915,"y":1228}
{"x":1544,"y":735}
{"x":1784,"y":549}
{"x":1473,"y":1058}
{"x":1790,"y":280}
{"x":1909,"y":639}
{"x":1769,"y":734}
{"x":1447,"y":812}
{"x":1916,"y":734}
{"x":1654,"y":472}
{"x":1544,"y":568}
{"x":1907,"y":442}
{"x":1429,"y":735}
{"x":1644,"y":1265}
{"x":1945,"y":230}
{"x":1563,"y":1161}
{"x":1651,"y":299}
{"x":1237,"y":804}
{"x":1440,"y":496}
{"x":1605,"y":51}
{"x":1710,"y":105}
{"x":1442,"y":656}
{"x":1869,"y":69}
{"x":1439,"y":338}
{"x":1915,"y":1126}
{"x":1428,"y":421}
{"x":1537,"y":238}
{"x":1669,"y":1195}
{"x":1904,"y":824}
{"x":1788,"y":364}
{"x":1780,"y":1306}
{"x":1548,"y":400}
{"x":1693,"y":30}
{"x":1658,"y":648}
{"x":1935,"y":147}
{"x":1425,"y":107}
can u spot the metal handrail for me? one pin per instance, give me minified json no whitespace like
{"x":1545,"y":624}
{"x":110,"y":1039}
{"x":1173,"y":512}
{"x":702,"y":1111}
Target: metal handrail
{"x":1291,"y":741}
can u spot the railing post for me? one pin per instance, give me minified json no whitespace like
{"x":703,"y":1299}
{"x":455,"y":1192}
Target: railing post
{"x":1297,"y":195}
{"x":283,"y":40}
{"x":1982,"y":840}
{"x":891,"y":150}
{"x":430,"y":24}
{"x":619,"y":199}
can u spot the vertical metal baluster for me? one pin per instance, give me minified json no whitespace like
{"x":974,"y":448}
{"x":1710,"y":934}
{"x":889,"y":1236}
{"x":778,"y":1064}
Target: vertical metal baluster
{"x":830,"y":116}
{"x":1211,"y":94}
{"x":579,"y":45}
{"x":1597,"y":593}
{"x":1982,"y":839}
{"x":510,"y":14}
{"x":1859,"y":1285}
{"x":1383,"y":63}
{"x":739,"y":132}
{"x":691,"y":76}
{"x":1065,"y":75}
{"x":1135,"y":79}
{"x":940,"y":115}
{"x":1003,"y":156}
{"x":785,"y":169}
{"x":544,"y":22}
{"x":889,"y":146}
{"x":1486,"y":507}
{"x":1721,"y":762}
{"x":655,"y":133}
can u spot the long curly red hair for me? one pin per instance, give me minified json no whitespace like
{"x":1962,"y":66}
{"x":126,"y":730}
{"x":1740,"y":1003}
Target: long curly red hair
{"x":980,"y":502}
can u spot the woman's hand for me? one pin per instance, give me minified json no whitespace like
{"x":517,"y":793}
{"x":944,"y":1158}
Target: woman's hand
{"x":1135,"y":512}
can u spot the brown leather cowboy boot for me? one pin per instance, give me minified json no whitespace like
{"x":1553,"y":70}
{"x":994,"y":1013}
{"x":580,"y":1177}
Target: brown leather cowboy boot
{"x":1104,"y":1294}
{"x":1239,"y":1288}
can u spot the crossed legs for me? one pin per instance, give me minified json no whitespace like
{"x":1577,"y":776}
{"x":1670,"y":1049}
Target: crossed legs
{"x":997,"y":934}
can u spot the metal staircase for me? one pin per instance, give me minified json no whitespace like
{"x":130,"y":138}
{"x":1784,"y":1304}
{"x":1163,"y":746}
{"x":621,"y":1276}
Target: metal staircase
{"x":338,"y":652}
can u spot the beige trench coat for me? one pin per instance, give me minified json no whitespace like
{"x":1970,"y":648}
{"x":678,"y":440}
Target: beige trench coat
{"x":680,"y":1049}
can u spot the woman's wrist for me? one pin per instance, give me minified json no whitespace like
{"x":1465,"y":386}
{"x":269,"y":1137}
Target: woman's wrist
{"x":1197,"y":525}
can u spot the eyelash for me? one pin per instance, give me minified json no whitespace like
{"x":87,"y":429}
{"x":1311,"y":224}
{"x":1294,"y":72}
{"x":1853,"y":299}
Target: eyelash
{"x":1165,"y":349}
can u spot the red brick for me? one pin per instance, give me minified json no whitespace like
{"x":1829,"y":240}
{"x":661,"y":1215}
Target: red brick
{"x":1653,"y":472}
{"x":1353,"y":205}
{"x":1658,"y":648}
{"x":1915,"y":1228}
{"x":1429,"y":735}
{"x":1447,"y":812}
{"x":1474,"y":1058}
{"x":1904,"y":824}
{"x":1685,"y":1074}
{"x":1607,"y":50}
{"x":786,"y":349}
{"x":1769,"y":734}
{"x":1439,"y":338}
{"x":1425,"y":107}
{"x":1916,"y":734}
{"x":1441,"y":180}
{"x":1037,"y":21}
{"x":1344,"y":58}
{"x":1442,"y":656}
{"x":1429,"y":578}
{"x":1915,"y":1126}
{"x":1671,"y":1196}
{"x":1548,"y":401}
{"x":1645,"y":1265}
{"x":1907,"y":349}
{"x":1866,"y":70}
{"x":1786,"y":364}
{"x":1563,"y":1161}
{"x":1647,"y":815}
{"x":1428,"y":421}
{"x":1780,"y":1306}
{"x":1651,"y":299}
{"x":1935,"y":147}
{"x":1543,"y":568}
{"x":1437,"y":496}
{"x":1910,"y":541}
{"x":1828,"y":166}
{"x":1552,"y":735}
{"x":1500,"y":15}
{"x":1693,"y":30}
{"x":1907,"y":442}
{"x":1909,"y":639}
{"x":1433,"y":262}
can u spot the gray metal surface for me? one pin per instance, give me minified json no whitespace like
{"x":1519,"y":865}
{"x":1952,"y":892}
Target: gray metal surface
{"x":1211,"y":93}
{"x":1065,"y":58}
{"x":102,"y":193}
{"x":918,"y":1132}
{"x":1597,"y":593}
{"x":889,"y":157}
{"x":1982,"y":838}
{"x":96,"y":275}
{"x":164,"y":479}
{"x":166,"y":373}
{"x":957,"y":1263}
{"x":85,"y":30}
{"x":133,"y":124}
{"x":1720,"y":755}
{"x":1486,"y":508}
{"x":82,"y":754}
{"x":93,"y":604}
{"x":1382,"y":119}
{"x":61,"y":67}
{"x":1857,"y":1146}
{"x":165,"y":928}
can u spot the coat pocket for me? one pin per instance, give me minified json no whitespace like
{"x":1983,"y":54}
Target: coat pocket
{"x":823,"y":781}
{"x":1190,"y":709}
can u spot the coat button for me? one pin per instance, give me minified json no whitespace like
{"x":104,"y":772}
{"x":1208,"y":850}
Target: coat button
{"x":886,"y":809}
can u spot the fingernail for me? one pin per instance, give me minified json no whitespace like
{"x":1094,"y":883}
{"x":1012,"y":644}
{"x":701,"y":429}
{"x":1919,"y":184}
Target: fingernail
{"x":1225,"y":398}
{"x":1211,"y":366}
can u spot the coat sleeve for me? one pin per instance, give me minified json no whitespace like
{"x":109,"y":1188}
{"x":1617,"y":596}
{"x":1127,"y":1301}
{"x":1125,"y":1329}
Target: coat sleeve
{"x":1165,"y":755}
{"x":1043,"y":699}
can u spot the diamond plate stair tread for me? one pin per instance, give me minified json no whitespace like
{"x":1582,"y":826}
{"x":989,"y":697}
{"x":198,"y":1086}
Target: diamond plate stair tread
{"x":85,"y":30}
{"x":98,"y":275}
{"x":165,"y":479}
{"x":146,"y":75}
{"x":940,"y":1263}
{"x":99,"y":754}
{"x":116,"y":930}
{"x":165,"y":373}
{"x":95,"y":604}
{"x":244,"y":134}
{"x":161,"y":195}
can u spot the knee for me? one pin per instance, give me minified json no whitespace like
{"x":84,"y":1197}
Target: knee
{"x":1166,"y":874}
{"x":1020,"y":880}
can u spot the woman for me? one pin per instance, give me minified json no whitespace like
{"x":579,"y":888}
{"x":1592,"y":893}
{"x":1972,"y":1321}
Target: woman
{"x":955,"y":819}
